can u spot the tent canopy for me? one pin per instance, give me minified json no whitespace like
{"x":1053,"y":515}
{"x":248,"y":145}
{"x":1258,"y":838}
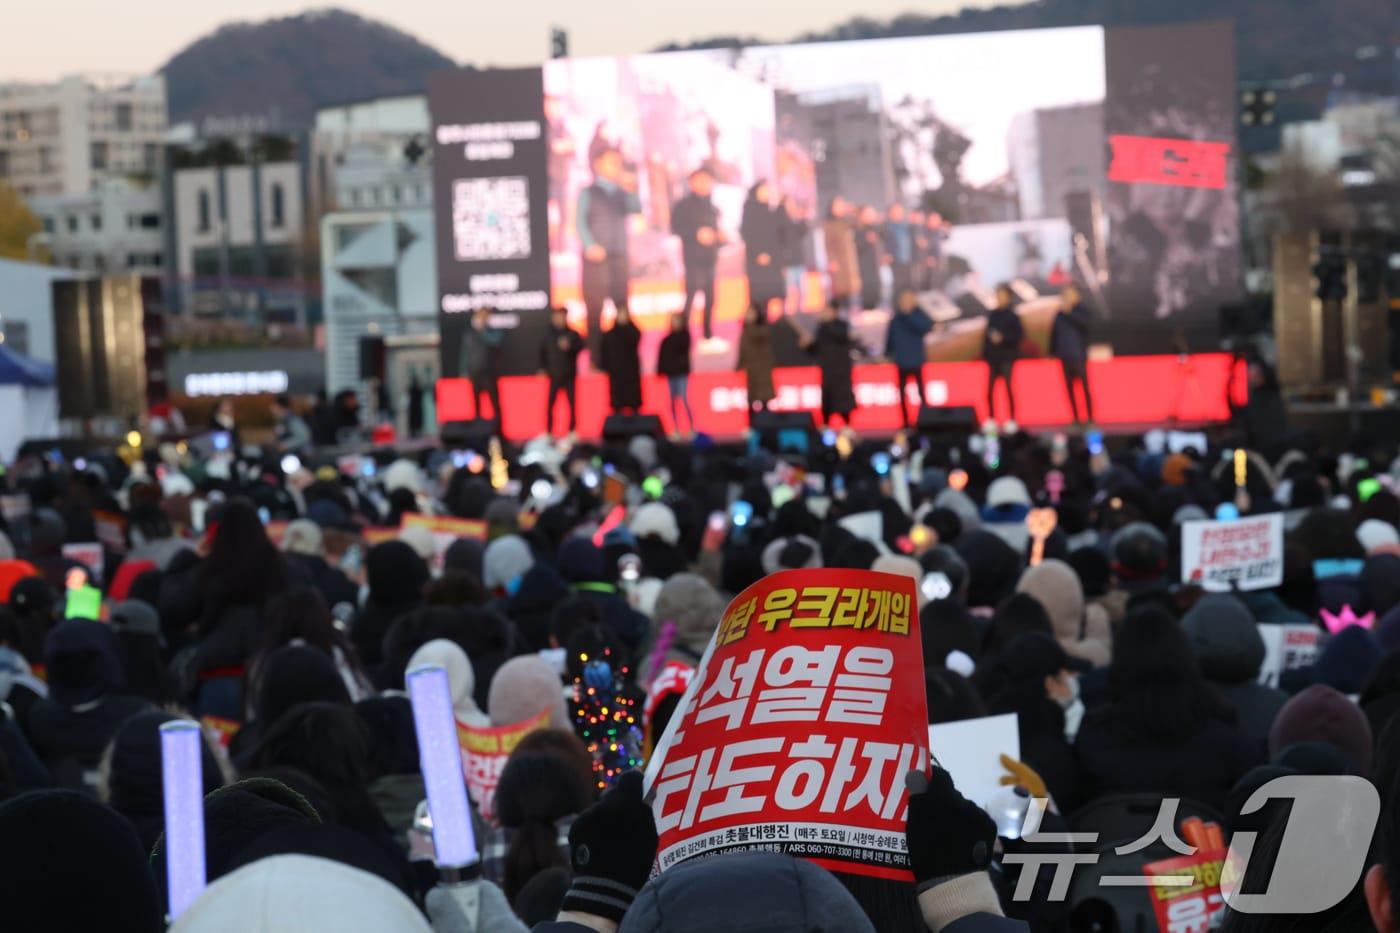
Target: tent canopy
{"x":16,"y":369}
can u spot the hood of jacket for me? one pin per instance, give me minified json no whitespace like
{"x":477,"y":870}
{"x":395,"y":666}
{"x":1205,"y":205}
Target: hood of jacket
{"x":1226,"y":639}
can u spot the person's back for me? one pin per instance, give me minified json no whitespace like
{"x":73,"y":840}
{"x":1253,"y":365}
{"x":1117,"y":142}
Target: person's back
{"x":1114,"y":757}
{"x":1231,"y":650}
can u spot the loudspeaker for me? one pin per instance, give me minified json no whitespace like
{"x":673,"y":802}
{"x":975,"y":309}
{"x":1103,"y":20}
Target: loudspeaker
{"x":100,"y":345}
{"x":468,"y":435}
{"x":153,"y":327}
{"x":622,"y":428}
{"x":783,"y":421}
{"x":373,"y":357}
{"x":782,"y":431}
{"x":73,"y":347}
{"x":948,"y":423}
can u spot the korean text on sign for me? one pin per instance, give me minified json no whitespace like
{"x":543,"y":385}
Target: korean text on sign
{"x":1242,"y":554}
{"x":484,"y":756}
{"x":798,"y":728}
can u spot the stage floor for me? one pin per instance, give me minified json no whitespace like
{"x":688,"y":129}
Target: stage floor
{"x":1131,"y":393}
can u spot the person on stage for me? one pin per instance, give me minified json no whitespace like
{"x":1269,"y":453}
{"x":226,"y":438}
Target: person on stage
{"x":695,"y":220}
{"x":756,"y":358}
{"x":936,"y":235}
{"x":478,"y":360}
{"x":869,"y":255}
{"x":796,"y":238}
{"x":673,"y":362}
{"x":602,"y":213}
{"x":919,"y":277}
{"x":559,"y":361}
{"x":761,"y":230}
{"x":1069,"y":343}
{"x":834,"y":347}
{"x":842,"y":263}
{"x":1000,"y":348}
{"x":904,"y":346}
{"x":623,"y":364}
{"x":899,"y":248}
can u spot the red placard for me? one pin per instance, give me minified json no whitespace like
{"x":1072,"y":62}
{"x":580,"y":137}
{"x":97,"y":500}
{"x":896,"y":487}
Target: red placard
{"x":1185,"y":163}
{"x":1187,"y":908}
{"x":798,"y":728}
{"x":484,"y":755}
{"x":446,"y":529}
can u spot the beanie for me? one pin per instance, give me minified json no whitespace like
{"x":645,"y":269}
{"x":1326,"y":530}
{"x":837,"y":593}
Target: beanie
{"x":1321,"y":714}
{"x":654,"y":520}
{"x":505,"y":559}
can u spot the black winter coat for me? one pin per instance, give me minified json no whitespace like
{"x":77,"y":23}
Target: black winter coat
{"x":623,"y":365}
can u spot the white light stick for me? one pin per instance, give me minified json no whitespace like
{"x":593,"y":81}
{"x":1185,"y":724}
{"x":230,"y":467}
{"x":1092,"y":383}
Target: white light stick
{"x":440,"y":757}
{"x":182,"y":780}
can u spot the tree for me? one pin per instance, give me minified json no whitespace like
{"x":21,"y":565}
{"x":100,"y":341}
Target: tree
{"x":17,"y":225}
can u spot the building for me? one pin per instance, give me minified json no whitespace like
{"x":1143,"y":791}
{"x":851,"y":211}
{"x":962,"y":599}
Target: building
{"x":69,"y":137}
{"x":1053,"y":153}
{"x":117,"y":227}
{"x":850,"y":142}
{"x":372,"y":155}
{"x":26,"y":307}
{"x":379,"y":277}
{"x":238,"y":226}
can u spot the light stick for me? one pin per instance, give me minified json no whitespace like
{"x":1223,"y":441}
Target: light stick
{"x":182,"y":780}
{"x":440,"y":757}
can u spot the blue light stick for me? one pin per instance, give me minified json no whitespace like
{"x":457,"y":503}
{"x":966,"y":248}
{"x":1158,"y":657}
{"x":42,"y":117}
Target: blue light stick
{"x":440,"y":757}
{"x":182,"y":780}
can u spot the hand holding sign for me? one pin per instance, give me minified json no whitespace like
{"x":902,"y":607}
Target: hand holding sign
{"x":948,"y":834}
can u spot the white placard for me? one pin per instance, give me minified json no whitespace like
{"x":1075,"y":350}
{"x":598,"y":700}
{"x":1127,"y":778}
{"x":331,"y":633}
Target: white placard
{"x":970,"y":751}
{"x":1238,"y":554}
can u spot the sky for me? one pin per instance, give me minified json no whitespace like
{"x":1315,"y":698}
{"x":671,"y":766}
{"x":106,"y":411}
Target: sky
{"x":44,"y":40}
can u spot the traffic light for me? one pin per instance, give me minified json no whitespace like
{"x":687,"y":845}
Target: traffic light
{"x":558,"y":43}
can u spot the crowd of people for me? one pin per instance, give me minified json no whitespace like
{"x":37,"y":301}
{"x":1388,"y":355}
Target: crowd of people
{"x":279,"y":602}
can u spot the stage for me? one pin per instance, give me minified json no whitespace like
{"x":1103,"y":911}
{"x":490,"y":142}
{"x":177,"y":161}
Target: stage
{"x":1130,"y":392}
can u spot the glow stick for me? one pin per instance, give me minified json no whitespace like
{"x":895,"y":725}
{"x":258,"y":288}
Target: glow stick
{"x":182,"y":780}
{"x":440,"y":757}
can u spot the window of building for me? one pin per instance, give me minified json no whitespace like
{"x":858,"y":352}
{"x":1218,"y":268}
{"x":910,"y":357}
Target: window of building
{"x":279,"y":205}
{"x":279,"y":262}
{"x":4,"y":163}
{"x":150,"y":157}
{"x":150,"y":221}
{"x":122,"y":113}
{"x":203,"y":207}
{"x":72,"y":223}
{"x":48,"y":223}
{"x":206,"y":262}
{"x":99,"y":155}
{"x":96,"y":223}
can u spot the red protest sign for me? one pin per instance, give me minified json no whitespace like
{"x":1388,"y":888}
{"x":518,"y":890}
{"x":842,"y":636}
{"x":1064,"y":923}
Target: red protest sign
{"x":798,"y":728}
{"x":446,"y":530}
{"x":484,"y":754}
{"x":1186,"y":893}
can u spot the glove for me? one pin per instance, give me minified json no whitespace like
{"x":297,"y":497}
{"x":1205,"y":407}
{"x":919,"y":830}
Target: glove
{"x":948,"y":834}
{"x":1024,"y":776}
{"x":612,"y":846}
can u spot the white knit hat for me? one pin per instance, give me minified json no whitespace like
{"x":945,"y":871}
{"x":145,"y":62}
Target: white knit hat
{"x":302,"y":893}
{"x":654,"y":520}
